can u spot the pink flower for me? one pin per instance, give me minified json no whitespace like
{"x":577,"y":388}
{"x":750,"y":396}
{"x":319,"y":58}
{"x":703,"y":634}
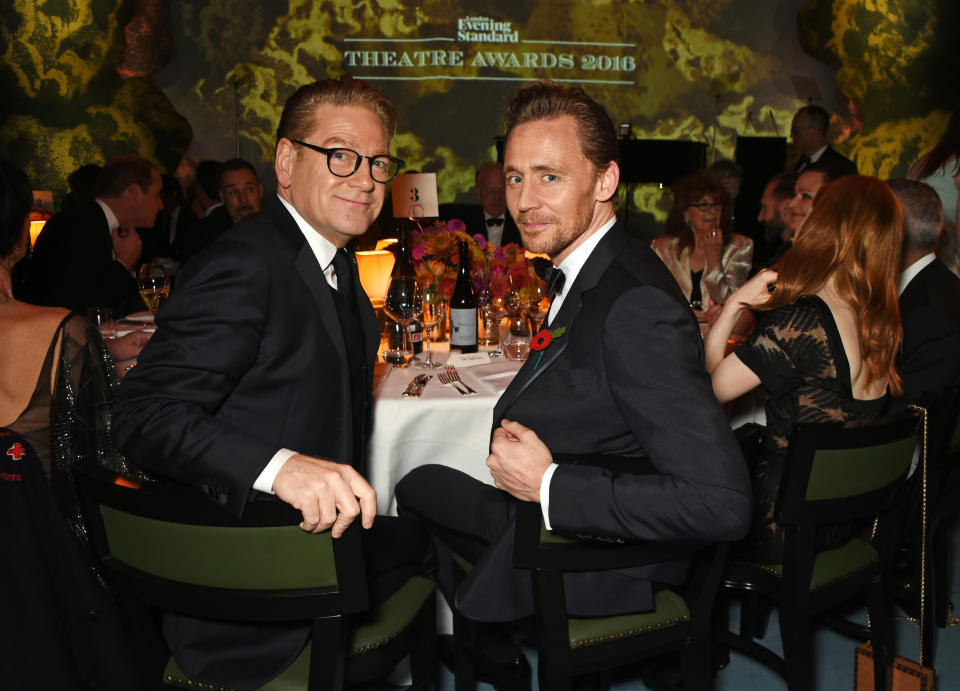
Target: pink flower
{"x":481,"y":241}
{"x":499,"y":254}
{"x":456,"y":225}
{"x":420,"y":251}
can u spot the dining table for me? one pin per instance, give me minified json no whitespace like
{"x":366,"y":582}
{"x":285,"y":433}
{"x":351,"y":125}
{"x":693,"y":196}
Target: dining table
{"x":441,"y":425}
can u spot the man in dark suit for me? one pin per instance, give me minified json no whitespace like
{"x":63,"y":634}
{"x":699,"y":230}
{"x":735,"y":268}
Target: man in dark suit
{"x":622,"y":382}
{"x":88,"y":256}
{"x":259,"y":377}
{"x":210,"y":217}
{"x":491,"y":219}
{"x":809,"y":133}
{"x":929,"y":297}
{"x":240,"y":189}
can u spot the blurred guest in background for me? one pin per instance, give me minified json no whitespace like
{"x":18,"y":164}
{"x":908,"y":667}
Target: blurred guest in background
{"x":809,"y":182}
{"x":83,"y":186}
{"x":88,"y":256}
{"x":777,"y":237}
{"x":210,"y":214}
{"x":809,"y":134}
{"x":929,"y":297}
{"x":492,"y":220}
{"x":826,"y":344}
{"x":940,"y":168}
{"x":706,"y":258}
{"x":240,"y":190}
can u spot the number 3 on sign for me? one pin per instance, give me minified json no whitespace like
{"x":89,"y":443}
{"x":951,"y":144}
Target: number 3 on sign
{"x":414,"y":194}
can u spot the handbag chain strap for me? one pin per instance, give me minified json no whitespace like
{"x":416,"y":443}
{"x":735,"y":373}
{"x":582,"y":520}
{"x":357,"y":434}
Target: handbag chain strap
{"x":923,"y":527}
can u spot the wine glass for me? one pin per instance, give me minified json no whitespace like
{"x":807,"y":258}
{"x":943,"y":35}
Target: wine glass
{"x":400,"y":305}
{"x":518,"y":335}
{"x":536,"y":302}
{"x":493,"y":314}
{"x":154,"y":286}
{"x":431,"y":312}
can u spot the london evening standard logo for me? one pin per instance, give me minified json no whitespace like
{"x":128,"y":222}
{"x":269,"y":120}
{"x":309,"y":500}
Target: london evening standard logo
{"x":486,"y":30}
{"x":471,"y":53}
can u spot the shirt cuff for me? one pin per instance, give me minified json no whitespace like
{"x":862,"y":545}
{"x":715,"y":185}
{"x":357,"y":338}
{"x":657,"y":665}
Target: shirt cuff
{"x":545,"y":493}
{"x":264,"y":483}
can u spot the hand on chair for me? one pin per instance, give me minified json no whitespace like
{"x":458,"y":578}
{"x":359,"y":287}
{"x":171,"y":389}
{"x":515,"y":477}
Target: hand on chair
{"x":329,"y":495}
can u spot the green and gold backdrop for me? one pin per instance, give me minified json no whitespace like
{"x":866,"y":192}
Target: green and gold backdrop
{"x":86,"y":79}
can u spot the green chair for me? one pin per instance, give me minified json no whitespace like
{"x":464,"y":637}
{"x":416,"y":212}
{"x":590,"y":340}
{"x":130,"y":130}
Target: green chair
{"x":832,"y":474}
{"x":569,"y":647}
{"x":176,"y":550}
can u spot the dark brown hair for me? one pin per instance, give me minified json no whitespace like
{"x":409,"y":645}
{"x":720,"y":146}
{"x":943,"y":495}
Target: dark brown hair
{"x":546,"y":100}
{"x":122,"y":171}
{"x":855,"y":235}
{"x":297,"y":119}
{"x":691,"y":190}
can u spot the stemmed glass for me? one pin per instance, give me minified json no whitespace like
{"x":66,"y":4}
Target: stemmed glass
{"x":495,"y":311}
{"x":402,"y":305}
{"x":536,"y":302}
{"x":154,"y":286}
{"x":431,"y":312}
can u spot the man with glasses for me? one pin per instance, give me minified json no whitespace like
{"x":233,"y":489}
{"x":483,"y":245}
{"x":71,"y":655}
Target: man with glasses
{"x":259,"y":381}
{"x":809,"y":134}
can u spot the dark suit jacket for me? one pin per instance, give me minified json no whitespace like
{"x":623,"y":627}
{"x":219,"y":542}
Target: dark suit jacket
{"x":625,"y":380}
{"x":476,"y":224}
{"x":197,"y":234}
{"x":835,"y":159}
{"x":249,"y":357}
{"x":930,"y":309}
{"x":73,"y":266}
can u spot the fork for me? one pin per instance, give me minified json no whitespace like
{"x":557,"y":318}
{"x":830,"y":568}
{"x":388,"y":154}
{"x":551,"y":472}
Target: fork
{"x":455,"y":376}
{"x":446,"y":378}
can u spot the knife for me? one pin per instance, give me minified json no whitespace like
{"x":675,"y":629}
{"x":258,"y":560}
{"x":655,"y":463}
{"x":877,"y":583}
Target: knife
{"x":415,"y":387}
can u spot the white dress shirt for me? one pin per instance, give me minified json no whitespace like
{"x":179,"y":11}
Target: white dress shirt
{"x":911,"y":271}
{"x":495,"y":233}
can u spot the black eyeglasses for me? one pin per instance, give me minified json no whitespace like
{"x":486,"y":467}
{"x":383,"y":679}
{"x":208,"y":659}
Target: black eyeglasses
{"x":345,"y":162}
{"x":707,"y":206}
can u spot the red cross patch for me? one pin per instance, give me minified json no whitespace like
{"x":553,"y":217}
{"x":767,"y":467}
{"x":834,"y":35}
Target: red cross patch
{"x":16,"y":452}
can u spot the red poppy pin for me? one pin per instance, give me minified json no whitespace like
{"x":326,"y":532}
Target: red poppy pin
{"x":543,"y":339}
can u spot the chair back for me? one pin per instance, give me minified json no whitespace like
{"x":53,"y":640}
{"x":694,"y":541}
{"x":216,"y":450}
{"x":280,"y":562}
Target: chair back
{"x":177,"y":549}
{"x":836,"y":473}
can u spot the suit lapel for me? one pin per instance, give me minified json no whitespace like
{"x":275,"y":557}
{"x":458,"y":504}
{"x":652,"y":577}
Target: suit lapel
{"x":601,"y":257}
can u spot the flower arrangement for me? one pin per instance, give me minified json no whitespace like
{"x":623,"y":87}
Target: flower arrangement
{"x":435,"y":253}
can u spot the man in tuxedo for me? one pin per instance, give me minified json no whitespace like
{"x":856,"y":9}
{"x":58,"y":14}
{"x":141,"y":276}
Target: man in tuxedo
{"x":621,"y":385}
{"x":929,"y":297}
{"x":240,"y":189}
{"x":777,"y":238}
{"x":87,"y":256}
{"x":809,"y":134}
{"x":491,"y":219}
{"x":259,"y":378}
{"x":209,"y":217}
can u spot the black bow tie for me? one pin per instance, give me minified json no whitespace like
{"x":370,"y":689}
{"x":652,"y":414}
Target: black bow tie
{"x":494,"y":221}
{"x":548,"y":272}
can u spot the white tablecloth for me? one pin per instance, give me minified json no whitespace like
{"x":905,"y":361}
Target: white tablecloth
{"x":441,"y":426}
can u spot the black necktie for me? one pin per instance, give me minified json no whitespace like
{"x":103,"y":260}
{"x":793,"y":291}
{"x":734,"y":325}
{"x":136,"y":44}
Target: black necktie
{"x":494,"y":222}
{"x":341,"y":265}
{"x":548,"y":272}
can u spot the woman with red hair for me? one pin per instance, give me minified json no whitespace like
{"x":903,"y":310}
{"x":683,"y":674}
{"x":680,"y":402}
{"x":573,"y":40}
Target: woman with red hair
{"x":827,"y":338}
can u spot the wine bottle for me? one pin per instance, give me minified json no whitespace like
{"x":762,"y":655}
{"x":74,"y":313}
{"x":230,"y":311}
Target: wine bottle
{"x":463,"y":308}
{"x":403,"y":267}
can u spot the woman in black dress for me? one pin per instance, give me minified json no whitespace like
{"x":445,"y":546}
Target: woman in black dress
{"x":826,"y":342}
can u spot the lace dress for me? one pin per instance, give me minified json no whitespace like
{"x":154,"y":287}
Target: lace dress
{"x":797,"y":353}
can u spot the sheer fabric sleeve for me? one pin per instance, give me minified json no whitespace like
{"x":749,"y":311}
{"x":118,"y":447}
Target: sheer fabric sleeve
{"x":734,"y":269}
{"x":788,"y":346}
